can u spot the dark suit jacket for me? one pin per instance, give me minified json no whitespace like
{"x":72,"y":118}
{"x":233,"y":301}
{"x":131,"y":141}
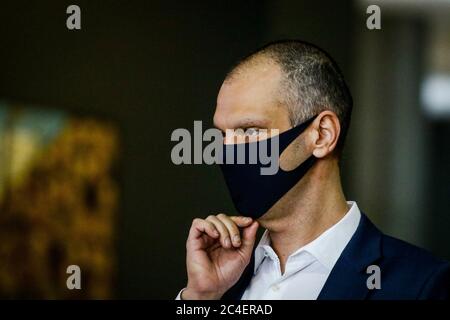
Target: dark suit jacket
{"x":407,"y":272}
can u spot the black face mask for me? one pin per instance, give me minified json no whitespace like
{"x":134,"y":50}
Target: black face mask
{"x":253,"y":193}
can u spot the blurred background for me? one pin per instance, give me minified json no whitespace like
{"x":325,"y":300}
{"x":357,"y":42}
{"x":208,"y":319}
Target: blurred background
{"x":86,"y":118}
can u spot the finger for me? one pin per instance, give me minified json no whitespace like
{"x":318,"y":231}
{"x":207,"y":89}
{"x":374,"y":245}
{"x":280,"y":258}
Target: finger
{"x":207,"y":241}
{"x":241,"y":221}
{"x":233,"y":230}
{"x":200,"y":227}
{"x":249,"y":236}
{"x":223,"y":231}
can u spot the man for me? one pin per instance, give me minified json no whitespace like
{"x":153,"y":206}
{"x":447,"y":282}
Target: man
{"x":316,"y":245}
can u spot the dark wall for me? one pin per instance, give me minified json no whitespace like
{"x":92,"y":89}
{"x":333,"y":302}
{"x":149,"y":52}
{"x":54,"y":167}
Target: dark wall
{"x":439,"y":190}
{"x":151,"y":67}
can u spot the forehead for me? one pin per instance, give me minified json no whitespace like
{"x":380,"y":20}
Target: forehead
{"x":249,"y":94}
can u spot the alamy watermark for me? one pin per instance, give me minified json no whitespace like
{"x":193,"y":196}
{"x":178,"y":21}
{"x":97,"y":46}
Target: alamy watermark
{"x":373,"y":21}
{"x":190,"y":150}
{"x":73,"y":21}
{"x":374,"y":280}
{"x":74,"y":280}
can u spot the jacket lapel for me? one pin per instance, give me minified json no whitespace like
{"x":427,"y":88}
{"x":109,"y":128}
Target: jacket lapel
{"x":348,"y":279}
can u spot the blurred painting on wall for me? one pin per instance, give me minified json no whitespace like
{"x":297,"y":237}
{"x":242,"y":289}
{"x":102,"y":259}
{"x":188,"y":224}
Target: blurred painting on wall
{"x":58,"y":203}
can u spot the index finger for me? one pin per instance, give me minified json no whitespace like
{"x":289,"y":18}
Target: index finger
{"x":242,"y":221}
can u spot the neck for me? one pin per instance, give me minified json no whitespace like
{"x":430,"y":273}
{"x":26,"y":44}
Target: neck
{"x":314,"y":205}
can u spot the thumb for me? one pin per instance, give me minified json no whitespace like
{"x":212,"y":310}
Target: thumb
{"x":249,"y":236}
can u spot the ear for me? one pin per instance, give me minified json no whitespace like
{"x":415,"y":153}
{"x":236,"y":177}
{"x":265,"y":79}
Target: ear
{"x":326,"y":134}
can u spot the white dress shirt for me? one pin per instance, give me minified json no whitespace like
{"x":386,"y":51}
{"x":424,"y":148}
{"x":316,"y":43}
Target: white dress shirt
{"x":307,"y":269}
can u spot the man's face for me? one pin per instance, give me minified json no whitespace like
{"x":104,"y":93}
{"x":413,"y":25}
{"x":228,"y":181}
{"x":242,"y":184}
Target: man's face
{"x":249,"y":102}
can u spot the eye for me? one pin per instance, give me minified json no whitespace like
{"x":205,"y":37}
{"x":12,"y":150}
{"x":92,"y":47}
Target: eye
{"x":252,"y":132}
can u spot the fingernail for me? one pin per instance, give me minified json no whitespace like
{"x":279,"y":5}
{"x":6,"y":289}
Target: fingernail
{"x":227,"y":242}
{"x":237,"y":239}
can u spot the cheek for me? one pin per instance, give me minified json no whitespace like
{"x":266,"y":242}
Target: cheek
{"x":293,"y":155}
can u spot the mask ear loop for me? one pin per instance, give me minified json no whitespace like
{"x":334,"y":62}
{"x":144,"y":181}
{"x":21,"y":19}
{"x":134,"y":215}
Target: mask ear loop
{"x":293,"y":134}
{"x":286,"y":138}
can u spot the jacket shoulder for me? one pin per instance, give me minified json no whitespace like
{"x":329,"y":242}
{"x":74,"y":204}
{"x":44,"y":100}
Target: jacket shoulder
{"x":393,"y":248}
{"x":407,"y":265}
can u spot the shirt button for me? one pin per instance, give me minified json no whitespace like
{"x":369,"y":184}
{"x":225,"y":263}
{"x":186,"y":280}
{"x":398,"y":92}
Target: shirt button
{"x":275,"y":288}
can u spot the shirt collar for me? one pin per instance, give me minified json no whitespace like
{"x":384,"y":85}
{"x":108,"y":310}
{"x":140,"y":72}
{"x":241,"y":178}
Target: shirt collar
{"x":326,"y":248}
